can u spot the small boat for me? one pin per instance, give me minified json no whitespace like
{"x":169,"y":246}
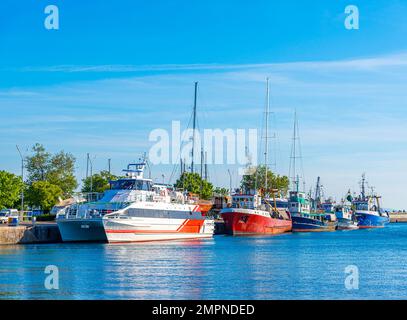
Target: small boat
{"x":306,"y":221}
{"x":346,"y":217}
{"x":368,"y":211}
{"x":311,"y":216}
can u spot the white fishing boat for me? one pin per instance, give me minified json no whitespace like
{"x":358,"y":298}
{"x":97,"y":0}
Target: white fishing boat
{"x":346,"y":217}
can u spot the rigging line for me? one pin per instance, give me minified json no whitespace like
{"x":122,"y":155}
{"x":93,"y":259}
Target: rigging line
{"x":300,"y":152}
{"x":256,"y":178}
{"x":175,"y":166}
{"x":291,"y":169}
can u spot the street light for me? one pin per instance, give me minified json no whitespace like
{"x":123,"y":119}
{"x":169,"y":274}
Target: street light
{"x":22,"y":179}
{"x":91,"y":176}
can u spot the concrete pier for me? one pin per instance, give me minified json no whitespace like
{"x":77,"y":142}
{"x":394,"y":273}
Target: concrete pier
{"x":398,"y":216}
{"x":24,"y":234}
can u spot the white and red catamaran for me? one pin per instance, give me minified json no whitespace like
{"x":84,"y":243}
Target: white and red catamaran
{"x":155,"y":213}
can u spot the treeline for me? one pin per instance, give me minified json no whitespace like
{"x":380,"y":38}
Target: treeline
{"x":50,"y":177}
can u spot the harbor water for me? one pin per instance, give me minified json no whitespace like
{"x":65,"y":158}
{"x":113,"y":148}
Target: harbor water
{"x":289,"y":266}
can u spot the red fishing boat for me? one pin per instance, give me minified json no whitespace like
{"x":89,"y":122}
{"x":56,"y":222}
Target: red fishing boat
{"x":249,"y":215}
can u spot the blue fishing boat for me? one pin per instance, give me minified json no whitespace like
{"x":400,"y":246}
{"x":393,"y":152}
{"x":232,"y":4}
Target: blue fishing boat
{"x":307,"y":217}
{"x":368,"y":211}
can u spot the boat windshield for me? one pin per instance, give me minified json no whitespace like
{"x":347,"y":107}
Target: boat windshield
{"x":362,"y":206}
{"x":131,"y":184}
{"x":281,"y":204}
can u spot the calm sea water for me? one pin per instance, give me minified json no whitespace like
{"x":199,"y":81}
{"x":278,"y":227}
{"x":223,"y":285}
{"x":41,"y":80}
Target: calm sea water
{"x":290,"y":266}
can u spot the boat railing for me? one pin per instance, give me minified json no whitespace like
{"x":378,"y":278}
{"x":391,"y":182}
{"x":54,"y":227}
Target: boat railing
{"x":91,"y":210}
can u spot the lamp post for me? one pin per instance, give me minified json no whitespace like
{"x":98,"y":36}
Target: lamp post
{"x":22,"y":179}
{"x":91,"y":176}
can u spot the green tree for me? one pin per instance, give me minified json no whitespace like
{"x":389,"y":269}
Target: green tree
{"x":10,"y":189}
{"x":193,"y":182}
{"x":221,"y":191}
{"x":57,"y":169}
{"x":257,"y":180}
{"x":38,"y":164}
{"x":61,"y":172}
{"x":98,"y":181}
{"x":43,"y":195}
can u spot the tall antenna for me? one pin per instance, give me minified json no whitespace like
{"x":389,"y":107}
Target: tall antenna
{"x":193,"y":127}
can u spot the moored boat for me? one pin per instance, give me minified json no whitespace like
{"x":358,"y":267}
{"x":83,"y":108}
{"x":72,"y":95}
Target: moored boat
{"x":311,"y":214}
{"x":346,"y":217}
{"x":252,"y":214}
{"x":82,"y":222}
{"x":164,"y":214}
{"x":345,"y":214}
{"x":368,"y":211}
{"x":306,"y":221}
{"x":249,"y":215}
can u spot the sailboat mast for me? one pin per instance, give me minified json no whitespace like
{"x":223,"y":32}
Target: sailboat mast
{"x":194,"y":127}
{"x":266,"y":133}
{"x":294,"y":155}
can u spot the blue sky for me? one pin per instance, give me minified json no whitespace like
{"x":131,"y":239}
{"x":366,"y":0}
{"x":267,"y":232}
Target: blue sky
{"x":115,"y":70}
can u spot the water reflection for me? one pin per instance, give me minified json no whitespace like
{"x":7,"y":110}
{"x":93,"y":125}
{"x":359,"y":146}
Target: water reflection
{"x":292,"y":266}
{"x":172,"y":270}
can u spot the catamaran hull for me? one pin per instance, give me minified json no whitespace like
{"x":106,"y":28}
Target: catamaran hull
{"x":302,"y":224}
{"x":246,"y":222}
{"x":156,"y":229}
{"x":82,"y":230}
{"x":367,"y":220}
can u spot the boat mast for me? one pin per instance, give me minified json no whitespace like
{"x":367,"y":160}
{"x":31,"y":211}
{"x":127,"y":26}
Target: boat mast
{"x":363,"y":186}
{"x":194,"y":127}
{"x":317,"y":199}
{"x":294,"y":177}
{"x":266,"y":134}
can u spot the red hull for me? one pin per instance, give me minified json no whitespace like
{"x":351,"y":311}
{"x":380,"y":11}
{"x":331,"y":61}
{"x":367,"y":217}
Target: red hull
{"x":238,"y":223}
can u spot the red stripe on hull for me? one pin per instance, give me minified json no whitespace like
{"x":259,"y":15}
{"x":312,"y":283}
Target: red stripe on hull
{"x":238,"y":223}
{"x":370,"y":227}
{"x":162,"y":240}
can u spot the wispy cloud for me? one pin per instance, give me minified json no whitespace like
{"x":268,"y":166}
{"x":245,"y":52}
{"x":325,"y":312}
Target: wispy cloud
{"x":352,"y":113}
{"x":367,"y":63}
